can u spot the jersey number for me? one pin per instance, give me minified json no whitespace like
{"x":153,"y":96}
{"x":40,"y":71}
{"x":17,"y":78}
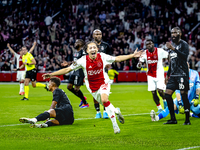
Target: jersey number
{"x":181,"y":86}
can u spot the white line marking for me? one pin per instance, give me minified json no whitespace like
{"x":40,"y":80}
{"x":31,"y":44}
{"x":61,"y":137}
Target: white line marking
{"x":189,"y":148}
{"x":75,"y":119}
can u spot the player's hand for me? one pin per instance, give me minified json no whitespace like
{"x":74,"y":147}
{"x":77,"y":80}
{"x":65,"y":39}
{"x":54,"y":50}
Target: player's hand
{"x":46,"y":76}
{"x":8,"y":45}
{"x":64,"y":64}
{"x":14,"y":70}
{"x":195,"y":102}
{"x":181,"y":110}
{"x":169,"y":46}
{"x":24,"y":63}
{"x":138,"y":53}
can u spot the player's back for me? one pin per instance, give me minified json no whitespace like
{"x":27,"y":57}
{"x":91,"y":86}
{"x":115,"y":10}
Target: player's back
{"x":60,"y":97}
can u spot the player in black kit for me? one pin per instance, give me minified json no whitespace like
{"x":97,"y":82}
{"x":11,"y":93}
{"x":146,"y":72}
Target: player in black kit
{"x":60,"y":109}
{"x":77,"y":77}
{"x":178,"y":73}
{"x":104,"y":48}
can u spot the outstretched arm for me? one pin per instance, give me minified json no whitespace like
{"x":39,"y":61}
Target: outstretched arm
{"x":33,"y":47}
{"x":59,"y":72}
{"x":11,"y":50}
{"x":126,"y":57}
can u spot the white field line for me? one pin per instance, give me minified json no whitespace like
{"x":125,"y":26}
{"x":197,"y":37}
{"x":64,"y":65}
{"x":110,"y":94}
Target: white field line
{"x":189,"y":148}
{"x":75,"y":119}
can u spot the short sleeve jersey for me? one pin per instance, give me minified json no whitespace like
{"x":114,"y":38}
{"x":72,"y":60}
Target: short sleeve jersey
{"x":154,"y":62}
{"x":27,"y":58}
{"x":94,"y":70}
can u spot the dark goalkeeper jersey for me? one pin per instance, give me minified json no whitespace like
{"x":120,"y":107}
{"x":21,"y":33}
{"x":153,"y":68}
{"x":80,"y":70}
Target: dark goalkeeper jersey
{"x":61,"y":98}
{"x":178,"y":59}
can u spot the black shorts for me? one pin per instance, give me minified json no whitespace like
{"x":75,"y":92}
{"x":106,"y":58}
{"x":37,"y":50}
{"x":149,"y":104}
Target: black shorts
{"x":178,"y":83}
{"x":65,"y":115}
{"x":31,"y":74}
{"x":76,"y":80}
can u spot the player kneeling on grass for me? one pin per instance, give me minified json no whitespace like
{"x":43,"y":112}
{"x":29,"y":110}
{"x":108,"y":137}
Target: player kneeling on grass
{"x":60,"y":109}
{"x":96,"y":80}
{"x":193,"y":96}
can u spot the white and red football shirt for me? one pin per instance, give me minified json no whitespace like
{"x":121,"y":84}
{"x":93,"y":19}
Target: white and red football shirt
{"x":154,"y":62}
{"x":94,"y":71}
{"x":19,"y":61}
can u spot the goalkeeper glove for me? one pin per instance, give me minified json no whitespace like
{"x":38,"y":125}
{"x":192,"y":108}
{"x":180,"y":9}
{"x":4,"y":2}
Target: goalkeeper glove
{"x":181,"y":108}
{"x":195,"y":102}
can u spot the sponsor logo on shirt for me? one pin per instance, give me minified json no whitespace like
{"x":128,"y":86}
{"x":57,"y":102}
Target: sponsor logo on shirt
{"x":173,"y":55}
{"x":94,"y":72}
{"x":152,"y":61}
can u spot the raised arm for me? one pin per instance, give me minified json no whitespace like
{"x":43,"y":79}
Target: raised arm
{"x":11,"y":50}
{"x":126,"y":57}
{"x":33,"y":47}
{"x":59,"y":72}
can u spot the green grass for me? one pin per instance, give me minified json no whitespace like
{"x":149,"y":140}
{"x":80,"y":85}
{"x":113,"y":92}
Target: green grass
{"x":138,"y":132}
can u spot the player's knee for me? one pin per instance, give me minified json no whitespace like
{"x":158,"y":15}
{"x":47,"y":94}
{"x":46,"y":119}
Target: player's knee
{"x":69,"y":86}
{"x":76,"y":89}
{"x":160,"y":92}
{"x":153,"y":92}
{"x":34,"y":85}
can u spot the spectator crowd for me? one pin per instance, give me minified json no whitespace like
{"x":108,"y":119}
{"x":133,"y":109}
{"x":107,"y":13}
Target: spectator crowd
{"x":125,"y":25}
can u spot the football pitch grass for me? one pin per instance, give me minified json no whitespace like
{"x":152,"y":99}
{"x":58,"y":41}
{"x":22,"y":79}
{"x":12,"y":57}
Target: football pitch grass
{"x":138,"y":132}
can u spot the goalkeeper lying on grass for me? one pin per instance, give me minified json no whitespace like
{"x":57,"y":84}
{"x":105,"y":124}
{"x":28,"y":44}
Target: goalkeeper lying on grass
{"x":193,"y":96}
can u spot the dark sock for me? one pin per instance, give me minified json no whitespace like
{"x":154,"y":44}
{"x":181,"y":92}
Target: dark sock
{"x":170,"y":106}
{"x":43,"y":116}
{"x":73,"y":91}
{"x":162,"y":94}
{"x":49,"y":123}
{"x":186,"y":106}
{"x":96,"y":106}
{"x":156,"y":98}
{"x":78,"y":94}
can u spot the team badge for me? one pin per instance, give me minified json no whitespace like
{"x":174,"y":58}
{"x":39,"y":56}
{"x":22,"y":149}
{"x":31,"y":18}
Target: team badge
{"x":182,"y":80}
{"x":102,"y":48}
{"x":99,"y":64}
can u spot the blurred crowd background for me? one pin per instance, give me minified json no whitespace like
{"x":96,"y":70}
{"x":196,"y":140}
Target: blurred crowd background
{"x":125,"y":25}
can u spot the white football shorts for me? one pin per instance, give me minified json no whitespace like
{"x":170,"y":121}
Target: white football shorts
{"x":105,"y":88}
{"x":21,"y":75}
{"x":156,"y":83}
